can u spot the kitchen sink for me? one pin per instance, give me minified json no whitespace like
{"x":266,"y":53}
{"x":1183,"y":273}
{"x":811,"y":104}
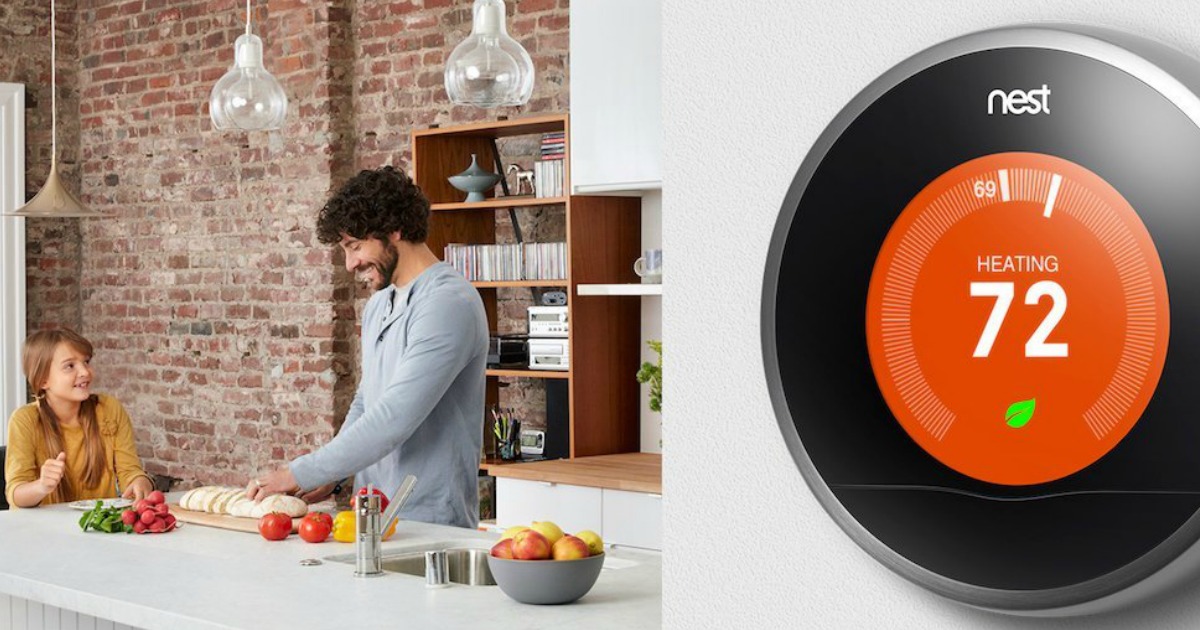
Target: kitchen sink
{"x":467,"y":564}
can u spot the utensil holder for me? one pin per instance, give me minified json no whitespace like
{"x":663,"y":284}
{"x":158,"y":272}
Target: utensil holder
{"x":510,"y":450}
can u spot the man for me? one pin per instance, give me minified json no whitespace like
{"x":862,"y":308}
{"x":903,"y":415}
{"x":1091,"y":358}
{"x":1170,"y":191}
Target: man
{"x":419,"y":405}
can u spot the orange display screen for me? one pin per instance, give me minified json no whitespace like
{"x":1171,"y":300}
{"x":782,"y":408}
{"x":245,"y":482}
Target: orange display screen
{"x":1017,"y":318}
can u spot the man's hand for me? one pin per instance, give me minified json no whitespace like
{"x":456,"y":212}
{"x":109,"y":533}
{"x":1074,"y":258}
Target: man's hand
{"x":138,"y":489}
{"x":318,"y":494}
{"x":279,"y":482}
{"x":52,"y":473}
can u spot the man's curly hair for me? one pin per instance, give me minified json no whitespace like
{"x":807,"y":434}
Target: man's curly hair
{"x":375,"y":204}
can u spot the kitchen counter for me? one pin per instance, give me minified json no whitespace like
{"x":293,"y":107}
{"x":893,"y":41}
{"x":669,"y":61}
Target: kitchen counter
{"x":200,"y":577}
{"x":635,"y":472}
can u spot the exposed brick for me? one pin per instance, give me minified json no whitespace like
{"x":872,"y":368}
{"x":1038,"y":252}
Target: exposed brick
{"x":227,"y":331}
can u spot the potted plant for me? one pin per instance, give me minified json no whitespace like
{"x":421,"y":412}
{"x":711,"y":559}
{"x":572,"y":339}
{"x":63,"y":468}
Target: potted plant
{"x":652,"y":373}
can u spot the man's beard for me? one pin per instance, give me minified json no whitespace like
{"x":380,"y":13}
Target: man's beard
{"x":387,"y":267}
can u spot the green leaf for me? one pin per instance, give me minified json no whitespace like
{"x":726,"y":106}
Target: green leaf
{"x":1020,"y":413}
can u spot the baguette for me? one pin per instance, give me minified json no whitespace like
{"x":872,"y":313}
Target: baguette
{"x":232,"y":501}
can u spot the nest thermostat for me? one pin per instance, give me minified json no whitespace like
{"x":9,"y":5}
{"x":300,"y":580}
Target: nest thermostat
{"x":979,"y":319}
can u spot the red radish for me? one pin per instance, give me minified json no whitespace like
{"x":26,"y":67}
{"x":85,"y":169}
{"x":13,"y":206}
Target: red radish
{"x":147,"y":517}
{"x":139,"y":528}
{"x":169,"y":520}
{"x":129,"y":517}
{"x":158,"y":527}
{"x":161,"y":509}
{"x":156,"y":498}
{"x":139,"y":506}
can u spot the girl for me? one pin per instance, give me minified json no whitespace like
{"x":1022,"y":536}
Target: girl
{"x":68,"y":444}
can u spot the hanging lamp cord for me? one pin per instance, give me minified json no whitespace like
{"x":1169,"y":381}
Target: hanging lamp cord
{"x":53,"y":90}
{"x":247,"y":17}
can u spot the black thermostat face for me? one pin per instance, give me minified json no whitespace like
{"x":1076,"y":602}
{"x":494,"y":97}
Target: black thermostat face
{"x":980,"y":317}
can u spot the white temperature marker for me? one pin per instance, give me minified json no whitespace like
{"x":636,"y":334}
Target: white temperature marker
{"x":1003,"y":184}
{"x":1055,"y":182}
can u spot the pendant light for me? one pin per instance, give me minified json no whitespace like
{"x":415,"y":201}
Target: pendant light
{"x":54,"y":200}
{"x":247,"y":98}
{"x":489,"y":68}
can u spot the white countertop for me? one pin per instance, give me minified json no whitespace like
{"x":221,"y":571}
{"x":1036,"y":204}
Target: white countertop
{"x":200,"y":577}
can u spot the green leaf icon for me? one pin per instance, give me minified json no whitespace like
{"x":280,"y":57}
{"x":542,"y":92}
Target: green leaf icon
{"x":1019,"y":413}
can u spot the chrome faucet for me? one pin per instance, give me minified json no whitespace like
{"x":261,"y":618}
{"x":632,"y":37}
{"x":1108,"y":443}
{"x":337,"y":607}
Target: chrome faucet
{"x":368,"y":558}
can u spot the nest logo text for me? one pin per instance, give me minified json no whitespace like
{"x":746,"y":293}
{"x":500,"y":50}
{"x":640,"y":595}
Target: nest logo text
{"x":1016,"y":102}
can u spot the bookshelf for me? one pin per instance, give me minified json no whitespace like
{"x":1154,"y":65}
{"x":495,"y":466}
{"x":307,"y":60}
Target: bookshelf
{"x":521,"y":201}
{"x":619,"y":289}
{"x":603,"y":236}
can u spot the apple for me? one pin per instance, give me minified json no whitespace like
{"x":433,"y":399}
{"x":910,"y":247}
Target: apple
{"x":512,"y":531}
{"x":594,"y":542}
{"x":548,"y":529}
{"x":503,"y":549}
{"x":530,"y":545}
{"x":570,"y":548}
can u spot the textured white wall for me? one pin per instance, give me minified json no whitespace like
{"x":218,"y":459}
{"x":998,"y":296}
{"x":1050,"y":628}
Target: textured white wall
{"x":747,"y":88}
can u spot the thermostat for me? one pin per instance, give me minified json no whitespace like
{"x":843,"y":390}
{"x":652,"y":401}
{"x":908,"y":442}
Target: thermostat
{"x":978,"y":319}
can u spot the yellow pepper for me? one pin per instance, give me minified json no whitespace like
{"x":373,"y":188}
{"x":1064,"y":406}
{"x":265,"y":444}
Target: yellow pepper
{"x":344,"y":531}
{"x":343,"y":526}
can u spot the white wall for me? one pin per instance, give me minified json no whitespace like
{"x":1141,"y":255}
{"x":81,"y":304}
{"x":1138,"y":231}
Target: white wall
{"x":651,"y":422}
{"x":747,"y":88}
{"x":12,"y":251}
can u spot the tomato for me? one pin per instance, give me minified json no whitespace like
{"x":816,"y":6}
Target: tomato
{"x":315,"y":529}
{"x":275,"y":526}
{"x":383,"y":500}
{"x":324,"y":517}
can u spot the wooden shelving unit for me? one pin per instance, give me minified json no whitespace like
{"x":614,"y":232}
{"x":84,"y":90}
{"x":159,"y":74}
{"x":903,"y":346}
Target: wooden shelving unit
{"x":500,"y":203}
{"x":519,"y":373}
{"x":603,"y":239}
{"x":619,"y":289}
{"x":520,"y":283}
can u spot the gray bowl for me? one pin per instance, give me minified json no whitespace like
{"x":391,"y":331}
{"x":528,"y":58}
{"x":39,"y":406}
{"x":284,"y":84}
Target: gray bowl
{"x":546,"y":581}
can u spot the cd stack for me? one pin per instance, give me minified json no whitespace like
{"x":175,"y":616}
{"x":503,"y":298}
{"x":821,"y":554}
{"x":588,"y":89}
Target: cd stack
{"x":548,"y":173}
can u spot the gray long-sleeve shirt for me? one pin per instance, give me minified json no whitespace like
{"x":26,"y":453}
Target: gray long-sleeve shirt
{"x":420,"y":401}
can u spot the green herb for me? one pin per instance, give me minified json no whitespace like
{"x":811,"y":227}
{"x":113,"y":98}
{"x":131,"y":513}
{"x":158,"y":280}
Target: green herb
{"x":104,"y":519}
{"x":652,"y":373}
{"x":1020,"y":413}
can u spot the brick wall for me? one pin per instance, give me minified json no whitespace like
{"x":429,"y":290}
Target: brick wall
{"x":220,"y":322}
{"x":401,"y":52}
{"x":52,"y":249}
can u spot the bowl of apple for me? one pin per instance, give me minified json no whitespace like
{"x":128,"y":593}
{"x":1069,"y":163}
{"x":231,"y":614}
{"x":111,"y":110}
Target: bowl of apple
{"x":540,"y":564}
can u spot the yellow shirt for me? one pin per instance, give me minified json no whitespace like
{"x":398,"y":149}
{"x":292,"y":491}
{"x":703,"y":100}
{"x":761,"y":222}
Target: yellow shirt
{"x":27,"y":452}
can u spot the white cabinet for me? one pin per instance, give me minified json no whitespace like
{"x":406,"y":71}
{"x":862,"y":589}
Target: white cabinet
{"x":616,"y":95}
{"x":633,"y":518}
{"x":573,"y":508}
{"x":620,"y":517}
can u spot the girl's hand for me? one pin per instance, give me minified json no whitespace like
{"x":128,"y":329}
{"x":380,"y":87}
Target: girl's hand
{"x":52,"y":473}
{"x":138,"y":489}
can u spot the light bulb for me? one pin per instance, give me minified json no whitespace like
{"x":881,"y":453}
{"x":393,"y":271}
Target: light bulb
{"x":489,"y":68}
{"x":247,"y":97}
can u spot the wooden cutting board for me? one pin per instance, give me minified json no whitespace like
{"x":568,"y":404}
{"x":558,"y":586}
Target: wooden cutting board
{"x":222,"y":521}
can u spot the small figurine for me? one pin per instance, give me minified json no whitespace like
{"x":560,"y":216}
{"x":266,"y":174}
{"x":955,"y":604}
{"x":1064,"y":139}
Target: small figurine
{"x":524,"y":179}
